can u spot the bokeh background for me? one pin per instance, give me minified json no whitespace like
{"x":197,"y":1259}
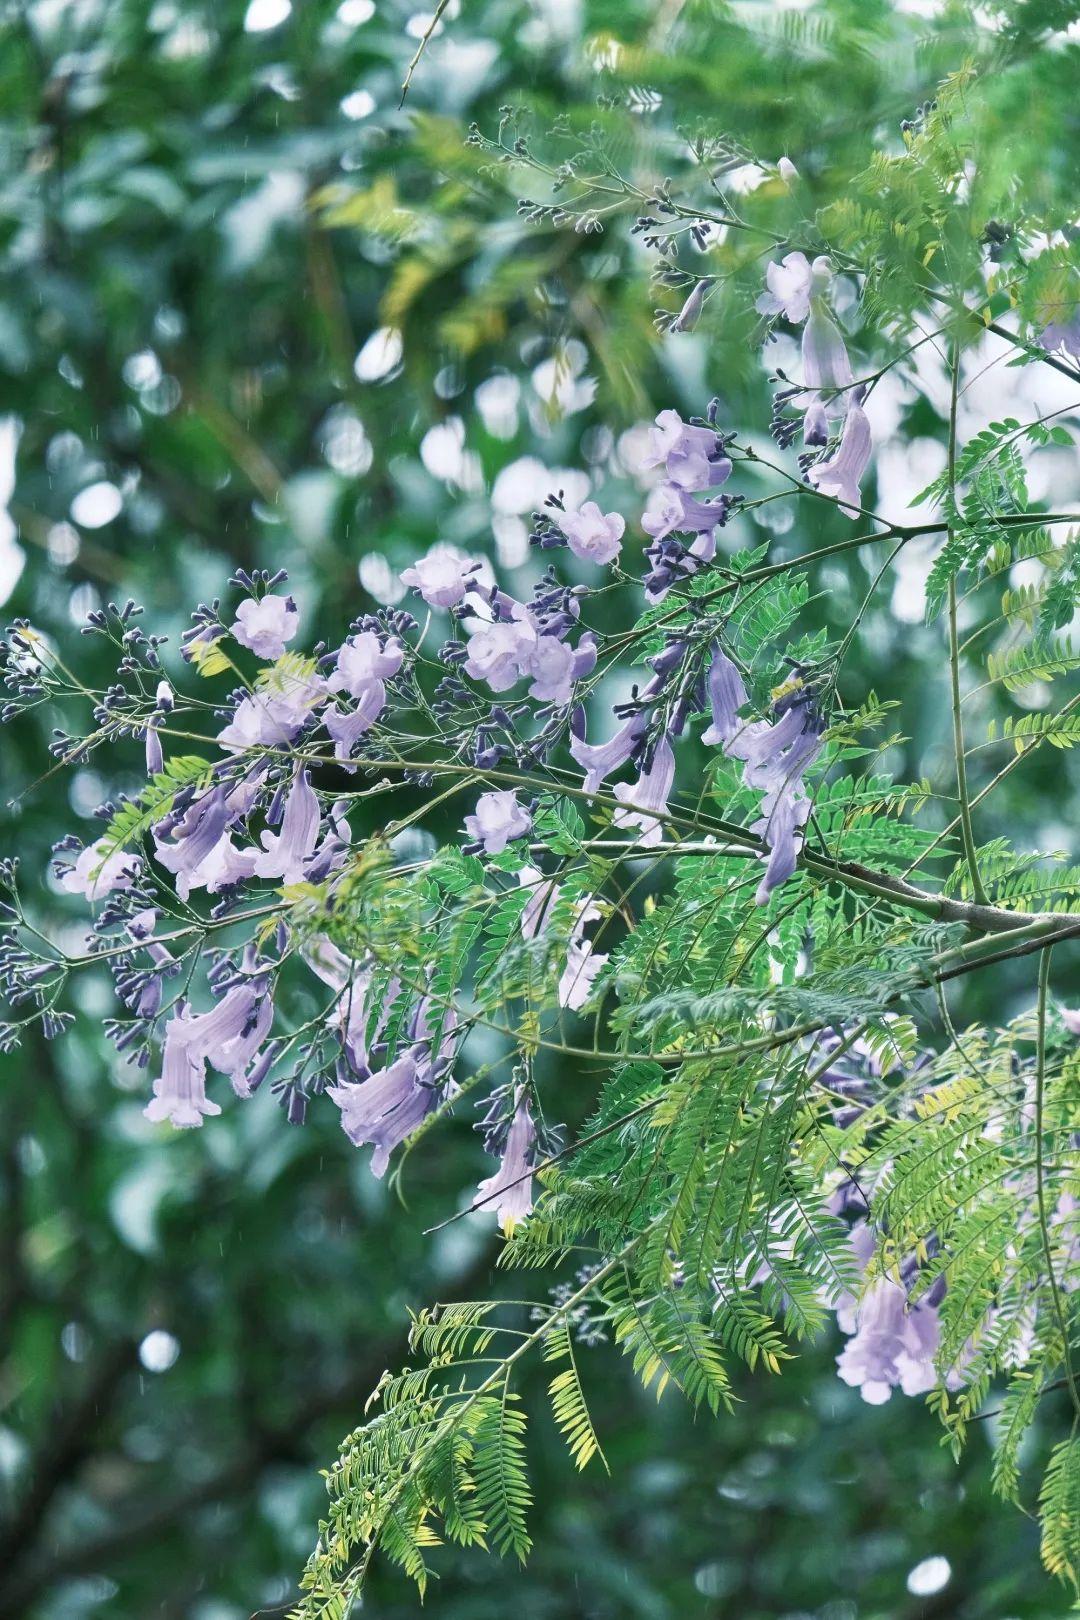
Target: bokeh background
{"x":251,"y":312}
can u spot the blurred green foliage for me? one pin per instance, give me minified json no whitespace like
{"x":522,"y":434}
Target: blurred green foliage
{"x":205,"y":225}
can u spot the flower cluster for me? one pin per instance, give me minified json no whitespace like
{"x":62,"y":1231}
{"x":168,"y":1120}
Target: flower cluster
{"x":259,"y":825}
{"x":797,"y":289}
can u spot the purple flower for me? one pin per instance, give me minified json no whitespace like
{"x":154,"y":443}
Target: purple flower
{"x":599,"y":760}
{"x":824,"y":352}
{"x":787,"y":171}
{"x":767,"y":748}
{"x":690,"y":314}
{"x":185,"y":840}
{"x":779,"y":771}
{"x":221,"y":867}
{"x":551,"y":665}
{"x":272,"y":716}
{"x":670,"y":510}
{"x":641,"y":801}
{"x":499,"y":818}
{"x":386,"y":1108}
{"x":266,"y":625}
{"x":784,"y":814}
{"x":99,"y":869}
{"x":727,"y":694}
{"x":815,"y":424}
{"x":775,"y":758}
{"x":1071,"y":1019}
{"x":499,"y":652}
{"x":1064,"y":335}
{"x":350,"y":1013}
{"x":582,"y":962}
{"x":691,"y":456}
{"x":155,"y":759}
{"x":510,"y":1188}
{"x":537,"y":913}
{"x":893,"y":1346}
{"x":554,"y":667}
{"x":842,"y":473}
{"x":442,"y":577}
{"x":789,"y":285}
{"x":346,"y":727}
{"x":592,"y":535}
{"x":362,"y":661}
{"x":180,"y":1092}
{"x":285,"y":854}
{"x":334,"y":849}
{"x":230,"y":1034}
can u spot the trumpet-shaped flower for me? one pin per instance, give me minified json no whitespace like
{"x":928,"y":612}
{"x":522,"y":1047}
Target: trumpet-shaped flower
{"x":99,"y":869}
{"x":592,"y":535}
{"x":266,"y":625}
{"x":442,"y":578}
{"x":842,"y":474}
{"x":510,"y":1188}
{"x":498,"y":819}
{"x":642,"y":802}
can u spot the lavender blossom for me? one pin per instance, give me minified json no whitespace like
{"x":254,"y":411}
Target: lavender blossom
{"x":442,"y":577}
{"x":497,"y":653}
{"x":670,"y":510}
{"x":778,"y":768}
{"x":551,"y":665}
{"x":555,"y":666}
{"x":599,"y":760}
{"x":842,"y":473}
{"x":386,"y":1108}
{"x":824,"y":353}
{"x":363,"y":664}
{"x":99,"y":870}
{"x":180,"y":1092}
{"x":220,"y":868}
{"x":510,"y":1188}
{"x":499,"y":818}
{"x":689,"y":315}
{"x":286,"y":854}
{"x":727,"y":694}
{"x":643,"y":800}
{"x":538,"y":908}
{"x":163,"y":702}
{"x":230,"y":1035}
{"x":789,"y":286}
{"x":273,"y":715}
{"x":592,"y":535}
{"x":893,"y":1346}
{"x":1063,"y":335}
{"x":265,"y":625}
{"x":192,"y":843}
{"x":347,"y":726}
{"x":582,"y":962}
{"x":692,"y":456}
{"x":350,"y":1013}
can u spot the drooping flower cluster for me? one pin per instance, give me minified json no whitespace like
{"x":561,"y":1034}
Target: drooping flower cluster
{"x":797,"y":289}
{"x":776,"y":756}
{"x":255,"y":829}
{"x":692,"y":457}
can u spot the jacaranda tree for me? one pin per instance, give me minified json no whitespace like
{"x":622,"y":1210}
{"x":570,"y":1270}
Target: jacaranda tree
{"x":814,"y":982}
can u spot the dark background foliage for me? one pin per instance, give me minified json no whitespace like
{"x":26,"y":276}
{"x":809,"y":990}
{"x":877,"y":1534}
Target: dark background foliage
{"x":201,"y":226}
